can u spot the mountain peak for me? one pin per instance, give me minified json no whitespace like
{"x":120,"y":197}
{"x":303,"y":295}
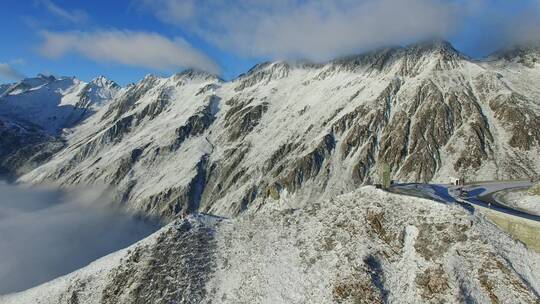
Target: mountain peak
{"x":193,"y":74}
{"x":434,"y":45}
{"x":98,"y":91}
{"x":28,"y":83}
{"x":264,"y":72}
{"x":104,"y":82}
{"x":279,"y":65}
{"x":49,"y":78}
{"x":380,"y":58}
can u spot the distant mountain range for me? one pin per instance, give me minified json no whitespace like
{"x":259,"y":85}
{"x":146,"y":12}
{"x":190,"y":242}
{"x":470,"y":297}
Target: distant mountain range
{"x":35,"y":111}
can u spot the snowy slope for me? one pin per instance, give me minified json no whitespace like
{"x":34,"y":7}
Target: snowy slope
{"x":302,"y":131}
{"x":367,"y":246}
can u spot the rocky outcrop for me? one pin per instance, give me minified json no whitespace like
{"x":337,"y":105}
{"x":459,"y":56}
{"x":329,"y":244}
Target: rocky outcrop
{"x":527,"y":55}
{"x":308,"y":166}
{"x":521,"y":121}
{"x":198,"y":123}
{"x":243,"y":118}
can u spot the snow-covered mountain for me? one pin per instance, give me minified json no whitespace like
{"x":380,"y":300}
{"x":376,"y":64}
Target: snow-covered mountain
{"x":34,"y":112}
{"x":298,"y":132}
{"x":55,"y":103}
{"x":367,"y":246}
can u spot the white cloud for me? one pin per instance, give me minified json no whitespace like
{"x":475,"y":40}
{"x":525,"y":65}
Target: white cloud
{"x":74,"y":16}
{"x":525,"y":28}
{"x":9,"y":73}
{"x":142,"y":49}
{"x":322,"y":30}
{"x":308,"y":28}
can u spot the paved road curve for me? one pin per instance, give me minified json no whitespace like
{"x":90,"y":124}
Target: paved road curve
{"x":481,"y":194}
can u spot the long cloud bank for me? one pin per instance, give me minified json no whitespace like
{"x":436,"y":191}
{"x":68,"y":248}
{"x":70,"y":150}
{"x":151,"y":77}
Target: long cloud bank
{"x":322,"y":30}
{"x":140,"y":49}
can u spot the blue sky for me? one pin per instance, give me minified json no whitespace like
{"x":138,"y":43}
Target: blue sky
{"x":127,"y":39}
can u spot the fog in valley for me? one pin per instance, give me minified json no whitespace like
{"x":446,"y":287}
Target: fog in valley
{"x":46,"y":233}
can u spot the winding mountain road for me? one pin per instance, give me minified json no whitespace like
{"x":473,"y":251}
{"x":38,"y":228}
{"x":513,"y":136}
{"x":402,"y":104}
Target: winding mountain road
{"x":484,"y":194}
{"x":481,"y":194}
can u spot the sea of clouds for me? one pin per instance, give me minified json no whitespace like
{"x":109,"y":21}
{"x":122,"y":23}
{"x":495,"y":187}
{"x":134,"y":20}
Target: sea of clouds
{"x":46,"y":233}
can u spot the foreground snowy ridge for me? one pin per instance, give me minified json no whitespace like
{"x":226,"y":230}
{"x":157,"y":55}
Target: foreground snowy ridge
{"x":367,"y":246}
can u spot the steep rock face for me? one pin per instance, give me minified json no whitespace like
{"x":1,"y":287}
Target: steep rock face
{"x":367,"y":246}
{"x":303,"y":132}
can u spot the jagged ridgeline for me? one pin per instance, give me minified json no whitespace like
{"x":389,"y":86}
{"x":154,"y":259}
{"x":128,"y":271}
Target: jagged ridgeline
{"x":301,"y":131}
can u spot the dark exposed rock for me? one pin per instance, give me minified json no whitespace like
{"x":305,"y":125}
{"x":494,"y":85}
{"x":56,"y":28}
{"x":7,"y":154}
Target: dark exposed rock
{"x":179,"y":200}
{"x":155,"y":108}
{"x":193,"y":74}
{"x":411,"y":59}
{"x":373,"y":61}
{"x":223,"y":176}
{"x":207,"y":88}
{"x":308,"y":166}
{"x":520,"y":120}
{"x":242,"y":119}
{"x":196,"y":124}
{"x":272,"y":165}
{"x":113,"y":134}
{"x":125,"y":165}
{"x":197,"y":186}
{"x":528,"y":55}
